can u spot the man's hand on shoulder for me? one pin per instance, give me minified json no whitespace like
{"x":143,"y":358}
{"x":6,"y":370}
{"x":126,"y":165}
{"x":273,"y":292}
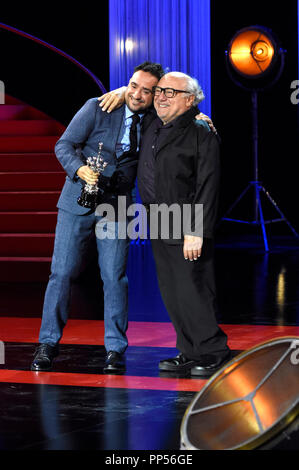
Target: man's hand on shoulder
{"x":113,"y":99}
{"x":204,"y":117}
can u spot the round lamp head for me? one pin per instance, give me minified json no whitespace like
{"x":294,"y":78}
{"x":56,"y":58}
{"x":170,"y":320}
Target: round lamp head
{"x":253,"y":53}
{"x":251,"y":403}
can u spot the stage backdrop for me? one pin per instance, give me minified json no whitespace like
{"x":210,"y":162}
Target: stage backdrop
{"x":175,"y":33}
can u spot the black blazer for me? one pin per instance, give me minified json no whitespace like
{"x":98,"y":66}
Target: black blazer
{"x":187,"y":169}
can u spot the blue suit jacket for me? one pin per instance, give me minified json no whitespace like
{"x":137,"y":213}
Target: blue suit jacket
{"x":81,"y":140}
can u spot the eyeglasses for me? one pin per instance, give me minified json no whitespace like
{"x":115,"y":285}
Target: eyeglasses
{"x":168,"y":92}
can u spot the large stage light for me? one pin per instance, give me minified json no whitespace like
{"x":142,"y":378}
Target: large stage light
{"x":255,"y":59}
{"x":255,"y":62}
{"x":251,"y":403}
{"x":252,"y":53}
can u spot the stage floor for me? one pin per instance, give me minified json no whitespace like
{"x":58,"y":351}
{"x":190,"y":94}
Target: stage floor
{"x":77,"y":407}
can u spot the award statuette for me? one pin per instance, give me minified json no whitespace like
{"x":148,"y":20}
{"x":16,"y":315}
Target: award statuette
{"x":89,"y":192}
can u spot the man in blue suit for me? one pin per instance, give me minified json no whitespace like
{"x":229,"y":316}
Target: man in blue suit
{"x":76,"y":224}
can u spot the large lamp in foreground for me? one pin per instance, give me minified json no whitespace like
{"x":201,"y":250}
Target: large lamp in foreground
{"x":251,"y":403}
{"x":255,"y":62}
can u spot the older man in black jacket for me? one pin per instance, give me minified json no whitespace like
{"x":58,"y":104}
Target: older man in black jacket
{"x":179,"y":164}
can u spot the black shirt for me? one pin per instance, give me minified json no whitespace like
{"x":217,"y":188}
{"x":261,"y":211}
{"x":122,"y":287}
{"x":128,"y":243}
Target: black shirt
{"x":151,"y":142}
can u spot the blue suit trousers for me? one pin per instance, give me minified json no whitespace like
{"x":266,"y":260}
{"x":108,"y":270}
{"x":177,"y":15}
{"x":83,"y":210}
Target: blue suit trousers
{"x":73,"y":233}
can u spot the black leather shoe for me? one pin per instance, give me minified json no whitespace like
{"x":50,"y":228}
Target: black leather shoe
{"x":209,"y":364}
{"x":44,"y":356}
{"x":114,"y":362}
{"x":179,"y":363}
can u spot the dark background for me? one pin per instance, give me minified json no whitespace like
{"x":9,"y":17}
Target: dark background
{"x":278,"y":117}
{"x":43,"y":79}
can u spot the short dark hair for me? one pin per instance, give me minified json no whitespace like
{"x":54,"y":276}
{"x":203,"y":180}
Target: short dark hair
{"x":152,"y":68}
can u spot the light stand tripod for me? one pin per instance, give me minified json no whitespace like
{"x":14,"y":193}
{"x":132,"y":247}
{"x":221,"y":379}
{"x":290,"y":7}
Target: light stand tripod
{"x":254,"y":62}
{"x":258,"y":188}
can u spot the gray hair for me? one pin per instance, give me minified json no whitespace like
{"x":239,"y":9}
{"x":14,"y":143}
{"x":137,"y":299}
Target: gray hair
{"x":193,"y":86}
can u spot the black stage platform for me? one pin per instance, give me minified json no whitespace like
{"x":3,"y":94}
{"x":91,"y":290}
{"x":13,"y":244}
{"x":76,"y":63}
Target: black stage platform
{"x":77,"y":407}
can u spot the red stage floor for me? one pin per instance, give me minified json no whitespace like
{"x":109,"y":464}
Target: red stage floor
{"x":147,"y":334}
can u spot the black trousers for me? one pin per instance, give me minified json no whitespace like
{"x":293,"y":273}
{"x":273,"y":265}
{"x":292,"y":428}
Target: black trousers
{"x":189,"y":294}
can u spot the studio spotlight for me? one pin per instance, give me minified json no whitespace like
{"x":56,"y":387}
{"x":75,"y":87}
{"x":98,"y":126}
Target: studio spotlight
{"x":255,"y":61}
{"x":252,"y":53}
{"x":254,"y":58}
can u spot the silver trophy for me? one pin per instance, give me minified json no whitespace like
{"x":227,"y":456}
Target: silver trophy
{"x":89,"y":192}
